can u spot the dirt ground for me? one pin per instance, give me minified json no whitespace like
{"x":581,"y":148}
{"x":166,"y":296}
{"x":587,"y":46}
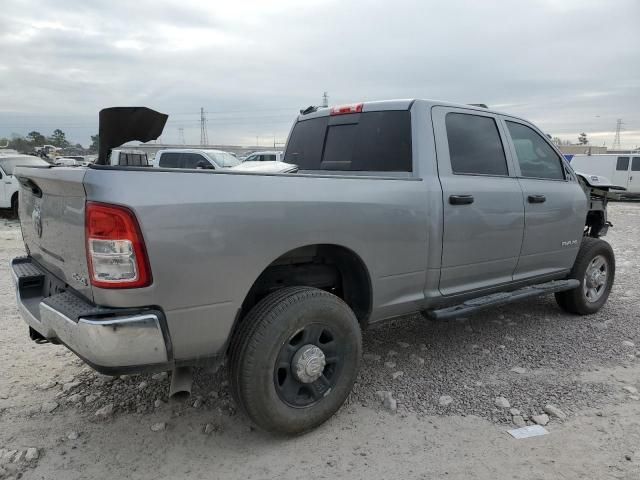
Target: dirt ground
{"x":588,"y":367}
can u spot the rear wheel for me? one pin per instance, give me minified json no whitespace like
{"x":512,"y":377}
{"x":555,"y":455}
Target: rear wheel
{"x":594,"y":268}
{"x":295,"y":359}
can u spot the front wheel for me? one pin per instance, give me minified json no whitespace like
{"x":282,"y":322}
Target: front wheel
{"x":595,"y":269}
{"x":294,"y":359}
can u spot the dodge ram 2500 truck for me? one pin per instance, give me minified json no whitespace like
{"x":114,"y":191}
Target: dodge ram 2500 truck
{"x":398,"y":207}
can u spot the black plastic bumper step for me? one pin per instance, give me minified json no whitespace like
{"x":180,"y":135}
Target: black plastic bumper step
{"x":29,"y":275}
{"x":495,"y":299}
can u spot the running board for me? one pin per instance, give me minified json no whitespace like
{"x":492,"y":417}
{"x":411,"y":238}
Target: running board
{"x":495,"y":299}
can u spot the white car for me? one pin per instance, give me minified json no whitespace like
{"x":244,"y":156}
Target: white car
{"x":9,"y":185}
{"x":266,"y":156}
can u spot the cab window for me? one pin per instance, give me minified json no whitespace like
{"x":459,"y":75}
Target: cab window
{"x":535,"y":156}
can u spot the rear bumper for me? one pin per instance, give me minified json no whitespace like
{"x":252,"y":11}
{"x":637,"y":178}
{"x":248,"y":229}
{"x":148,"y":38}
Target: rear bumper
{"x":110,"y":340}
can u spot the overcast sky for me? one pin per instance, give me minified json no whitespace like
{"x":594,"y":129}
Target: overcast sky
{"x":567,"y":65}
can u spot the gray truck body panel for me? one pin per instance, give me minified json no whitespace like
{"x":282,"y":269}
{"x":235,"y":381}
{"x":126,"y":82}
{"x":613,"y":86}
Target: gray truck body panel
{"x":209,"y":243}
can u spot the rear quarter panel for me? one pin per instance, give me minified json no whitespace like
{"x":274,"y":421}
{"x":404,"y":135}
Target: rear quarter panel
{"x":209,"y":235}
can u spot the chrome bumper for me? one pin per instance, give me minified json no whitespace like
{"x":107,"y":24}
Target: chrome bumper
{"x":108,"y":342}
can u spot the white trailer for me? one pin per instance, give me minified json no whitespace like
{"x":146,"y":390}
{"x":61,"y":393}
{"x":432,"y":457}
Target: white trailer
{"x":622,"y":170}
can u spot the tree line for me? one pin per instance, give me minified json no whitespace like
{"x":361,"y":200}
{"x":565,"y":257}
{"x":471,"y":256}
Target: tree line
{"x":34,"y":139}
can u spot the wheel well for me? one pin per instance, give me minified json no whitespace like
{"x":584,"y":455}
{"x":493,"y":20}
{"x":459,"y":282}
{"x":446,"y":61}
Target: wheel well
{"x":332,"y":268}
{"x":14,"y":197}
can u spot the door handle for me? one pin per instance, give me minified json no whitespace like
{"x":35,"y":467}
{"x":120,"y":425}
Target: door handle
{"x":460,"y":199}
{"x":537,"y":199}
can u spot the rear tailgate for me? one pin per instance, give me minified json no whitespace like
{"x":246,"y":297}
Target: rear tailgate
{"x":52,"y":205}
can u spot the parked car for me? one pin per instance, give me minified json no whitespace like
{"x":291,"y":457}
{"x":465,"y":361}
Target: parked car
{"x":266,"y":156}
{"x":399,"y":207}
{"x":194,"y":158}
{"x":622,"y":170}
{"x":9,"y":185}
{"x":129,"y":158}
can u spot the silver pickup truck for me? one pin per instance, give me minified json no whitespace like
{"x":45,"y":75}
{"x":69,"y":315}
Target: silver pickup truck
{"x":398,"y":207}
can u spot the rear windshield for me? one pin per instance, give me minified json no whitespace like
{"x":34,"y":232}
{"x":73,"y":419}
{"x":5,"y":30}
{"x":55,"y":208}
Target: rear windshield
{"x":8,"y":164}
{"x":370,"y":141}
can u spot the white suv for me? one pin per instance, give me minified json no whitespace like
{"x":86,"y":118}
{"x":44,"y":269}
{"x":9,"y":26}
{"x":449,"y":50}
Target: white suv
{"x":194,"y":158}
{"x":9,"y":185}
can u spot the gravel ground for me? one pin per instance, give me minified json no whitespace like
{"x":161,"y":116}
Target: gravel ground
{"x":450,"y":388}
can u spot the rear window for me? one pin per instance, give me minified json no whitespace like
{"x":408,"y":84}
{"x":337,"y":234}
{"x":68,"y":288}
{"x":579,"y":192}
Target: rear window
{"x":370,"y":141}
{"x":475,"y":147}
{"x":635,"y":165}
{"x":169,"y":160}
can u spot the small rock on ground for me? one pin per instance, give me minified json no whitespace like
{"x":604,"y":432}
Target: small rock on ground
{"x":518,"y":421}
{"x":445,"y":400}
{"x":32,"y":454}
{"x":554,"y":411}
{"x":519,"y":370}
{"x":502,"y":402}
{"x":72,"y":435}
{"x":158,"y":427}
{"x":628,"y":343}
{"x":49,"y":407}
{"x":105,"y":412}
{"x":630,"y":389}
{"x":541,"y":419}
{"x":397,"y":375}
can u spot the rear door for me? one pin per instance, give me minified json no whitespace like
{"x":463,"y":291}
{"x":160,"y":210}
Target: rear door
{"x":555,"y":204}
{"x":483,"y":206}
{"x":620,"y":175}
{"x":634,"y":177}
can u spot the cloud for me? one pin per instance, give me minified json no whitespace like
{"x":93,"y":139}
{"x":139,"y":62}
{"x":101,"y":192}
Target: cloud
{"x":567,"y":65}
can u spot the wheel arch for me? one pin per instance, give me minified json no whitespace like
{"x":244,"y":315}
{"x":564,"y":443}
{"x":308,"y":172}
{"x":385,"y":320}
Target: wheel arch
{"x":331,"y":267}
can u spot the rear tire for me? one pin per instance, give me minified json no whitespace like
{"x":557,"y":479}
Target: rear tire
{"x":595,"y":269}
{"x":294,"y":359}
{"x":14,"y":206}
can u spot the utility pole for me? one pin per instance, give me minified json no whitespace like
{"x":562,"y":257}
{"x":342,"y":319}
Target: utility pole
{"x":204,"y":137}
{"x":181,"y":135}
{"x":325,"y":99}
{"x":616,"y":140}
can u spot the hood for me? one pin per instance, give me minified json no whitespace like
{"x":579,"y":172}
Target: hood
{"x":598,"y":181}
{"x":265,"y":167}
{"x":118,"y":125}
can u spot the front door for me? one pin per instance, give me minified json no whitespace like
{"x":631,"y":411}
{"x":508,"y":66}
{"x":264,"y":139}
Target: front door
{"x":634,"y":177}
{"x":620,"y":175}
{"x":554,"y":203}
{"x":483,"y":207}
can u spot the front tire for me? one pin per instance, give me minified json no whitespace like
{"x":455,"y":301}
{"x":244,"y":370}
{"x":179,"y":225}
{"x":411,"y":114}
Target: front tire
{"x":595,"y":269}
{"x":294,"y":359}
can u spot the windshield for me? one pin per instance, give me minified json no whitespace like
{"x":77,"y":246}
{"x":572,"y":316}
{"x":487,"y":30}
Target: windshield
{"x":8,"y":164}
{"x":224,"y":159}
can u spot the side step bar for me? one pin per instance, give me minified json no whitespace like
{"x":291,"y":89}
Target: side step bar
{"x":495,"y":299}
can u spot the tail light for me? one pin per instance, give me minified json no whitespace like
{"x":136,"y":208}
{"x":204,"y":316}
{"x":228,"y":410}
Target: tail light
{"x":344,"y":109}
{"x":116,"y":254}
